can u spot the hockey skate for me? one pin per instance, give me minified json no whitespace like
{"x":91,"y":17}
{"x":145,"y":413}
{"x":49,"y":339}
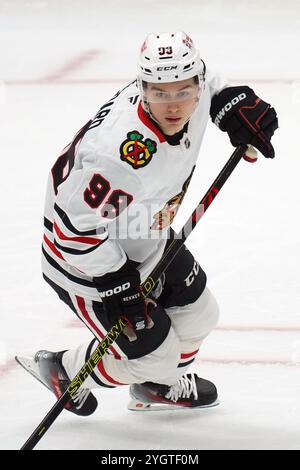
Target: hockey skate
{"x":47,"y":368}
{"x":189,"y":392}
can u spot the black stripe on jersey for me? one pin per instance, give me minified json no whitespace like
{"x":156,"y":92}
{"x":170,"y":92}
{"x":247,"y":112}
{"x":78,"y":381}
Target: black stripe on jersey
{"x":93,"y":375}
{"x":62,"y":294}
{"x":183,"y":364}
{"x":69,"y":276}
{"x":65,"y":219}
{"x":48,"y":224}
{"x":72,"y":251}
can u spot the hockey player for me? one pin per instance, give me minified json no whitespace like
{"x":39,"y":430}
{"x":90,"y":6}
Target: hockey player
{"x":111,"y":196}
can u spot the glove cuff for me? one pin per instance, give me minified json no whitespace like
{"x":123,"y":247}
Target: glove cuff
{"x":119,"y":284}
{"x":129,"y":268}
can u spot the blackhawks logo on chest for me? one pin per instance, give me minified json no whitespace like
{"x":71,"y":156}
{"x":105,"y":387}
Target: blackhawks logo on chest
{"x":136,"y":151}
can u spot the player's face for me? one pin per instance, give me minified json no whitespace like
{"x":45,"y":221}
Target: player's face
{"x":172,"y":104}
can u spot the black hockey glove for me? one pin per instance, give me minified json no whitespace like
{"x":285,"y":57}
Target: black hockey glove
{"x":246,"y":118}
{"x":121,"y":295}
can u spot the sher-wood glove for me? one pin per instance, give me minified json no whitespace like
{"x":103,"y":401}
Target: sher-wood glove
{"x":121,"y":295}
{"x":245,"y":117}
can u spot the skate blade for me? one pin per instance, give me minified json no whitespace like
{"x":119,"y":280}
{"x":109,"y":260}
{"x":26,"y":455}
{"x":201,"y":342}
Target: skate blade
{"x":31,"y":366}
{"x":138,"y":405}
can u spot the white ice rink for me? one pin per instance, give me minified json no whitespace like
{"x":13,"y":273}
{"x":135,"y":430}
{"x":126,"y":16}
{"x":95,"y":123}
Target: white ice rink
{"x":59,"y":61}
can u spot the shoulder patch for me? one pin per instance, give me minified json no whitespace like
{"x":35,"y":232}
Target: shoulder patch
{"x":137,"y":152}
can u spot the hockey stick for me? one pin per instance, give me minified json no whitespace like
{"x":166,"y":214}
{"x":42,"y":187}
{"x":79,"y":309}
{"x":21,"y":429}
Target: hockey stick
{"x":175,"y":245}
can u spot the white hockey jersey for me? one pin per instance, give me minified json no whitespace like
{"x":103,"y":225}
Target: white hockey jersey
{"x":115,"y":189}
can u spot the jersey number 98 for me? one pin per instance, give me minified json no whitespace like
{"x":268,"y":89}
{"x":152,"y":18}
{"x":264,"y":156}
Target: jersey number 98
{"x":97,"y":194}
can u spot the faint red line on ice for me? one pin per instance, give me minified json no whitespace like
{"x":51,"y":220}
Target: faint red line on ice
{"x":92,"y":81}
{"x":7,"y":367}
{"x":75,"y":323}
{"x":247,"y":362}
{"x":75,"y":64}
{"x":55,"y":80}
{"x":11,"y":364}
{"x":249,"y":329}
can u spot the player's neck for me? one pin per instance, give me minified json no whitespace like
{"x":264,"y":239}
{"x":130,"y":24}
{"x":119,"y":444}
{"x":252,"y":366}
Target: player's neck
{"x":172,"y":139}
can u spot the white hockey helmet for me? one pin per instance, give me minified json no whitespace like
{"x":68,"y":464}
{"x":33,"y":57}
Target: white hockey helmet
{"x":169,"y":57}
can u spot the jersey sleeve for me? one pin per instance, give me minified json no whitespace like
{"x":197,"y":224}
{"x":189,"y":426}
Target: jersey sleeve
{"x":215,"y":82}
{"x":87,"y":207}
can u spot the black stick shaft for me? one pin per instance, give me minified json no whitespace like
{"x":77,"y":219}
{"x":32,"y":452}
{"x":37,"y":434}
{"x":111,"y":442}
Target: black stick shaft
{"x":176,"y":244}
{"x":179,"y":239}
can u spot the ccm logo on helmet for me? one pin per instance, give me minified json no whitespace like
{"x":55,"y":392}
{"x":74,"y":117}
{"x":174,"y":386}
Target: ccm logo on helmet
{"x":116,"y":290}
{"x":170,"y":67}
{"x":228,"y":106}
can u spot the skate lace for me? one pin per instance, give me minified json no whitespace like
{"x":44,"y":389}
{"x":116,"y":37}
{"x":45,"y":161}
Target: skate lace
{"x":184,"y":388}
{"x":80,"y":397}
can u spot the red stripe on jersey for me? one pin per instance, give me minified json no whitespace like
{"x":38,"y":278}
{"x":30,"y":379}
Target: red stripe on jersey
{"x":81,"y":305}
{"x":147,"y":121}
{"x":106,"y":376}
{"x":88,"y":240}
{"x":186,"y":355}
{"x":53,"y":248}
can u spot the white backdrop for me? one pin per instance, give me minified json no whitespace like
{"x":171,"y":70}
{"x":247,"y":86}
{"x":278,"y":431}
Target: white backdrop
{"x":59,"y":61}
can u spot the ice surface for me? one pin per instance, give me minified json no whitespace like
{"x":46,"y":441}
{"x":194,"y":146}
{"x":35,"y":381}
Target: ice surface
{"x":59,"y":61}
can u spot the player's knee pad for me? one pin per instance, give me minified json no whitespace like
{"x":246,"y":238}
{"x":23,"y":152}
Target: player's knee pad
{"x":161,"y":365}
{"x":206,"y":310}
{"x":184,"y":281}
{"x":193,"y":322}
